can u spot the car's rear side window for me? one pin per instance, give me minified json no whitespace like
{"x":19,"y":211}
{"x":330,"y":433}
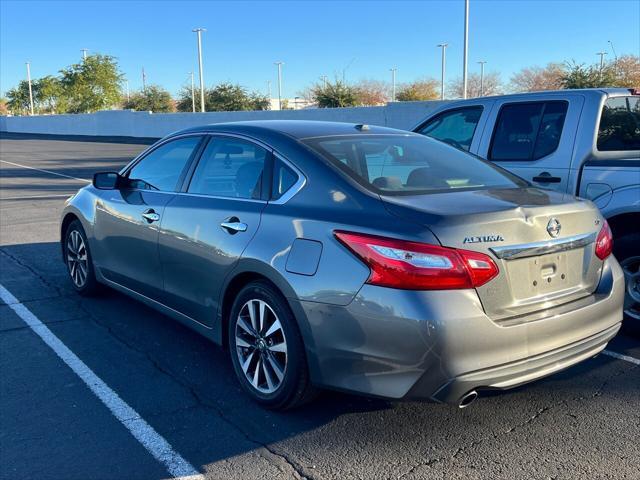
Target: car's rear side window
{"x":527,"y":131}
{"x":230,"y":167}
{"x":410,"y":164}
{"x":455,"y":127}
{"x":620,"y":124}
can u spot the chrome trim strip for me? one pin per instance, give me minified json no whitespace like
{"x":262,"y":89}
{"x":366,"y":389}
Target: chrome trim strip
{"x":525,"y":250}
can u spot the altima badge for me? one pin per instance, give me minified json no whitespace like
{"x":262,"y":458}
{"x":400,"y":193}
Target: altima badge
{"x":553,"y":227}
{"x":483,"y":238}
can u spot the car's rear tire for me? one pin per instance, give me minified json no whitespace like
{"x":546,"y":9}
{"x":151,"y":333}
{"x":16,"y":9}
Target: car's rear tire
{"x":266,"y":348}
{"x":627,"y":251}
{"x":79,"y":261}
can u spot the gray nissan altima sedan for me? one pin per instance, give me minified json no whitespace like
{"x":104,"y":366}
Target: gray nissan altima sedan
{"x":351,"y":257}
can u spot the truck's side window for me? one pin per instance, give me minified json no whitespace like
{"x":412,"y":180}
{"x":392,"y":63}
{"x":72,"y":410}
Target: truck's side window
{"x":455,"y":127}
{"x":620,"y":124}
{"x":527,"y":131}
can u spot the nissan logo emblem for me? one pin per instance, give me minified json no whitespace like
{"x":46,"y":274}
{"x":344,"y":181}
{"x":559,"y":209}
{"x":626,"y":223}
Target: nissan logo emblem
{"x":553,"y":227}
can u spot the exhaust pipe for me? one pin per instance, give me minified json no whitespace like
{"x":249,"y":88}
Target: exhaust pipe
{"x":467,"y":399}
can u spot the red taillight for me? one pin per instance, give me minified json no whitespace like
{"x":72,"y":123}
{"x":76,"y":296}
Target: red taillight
{"x":418,"y":266}
{"x":604,"y":242}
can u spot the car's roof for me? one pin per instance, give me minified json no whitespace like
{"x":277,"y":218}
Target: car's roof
{"x":297,"y":129}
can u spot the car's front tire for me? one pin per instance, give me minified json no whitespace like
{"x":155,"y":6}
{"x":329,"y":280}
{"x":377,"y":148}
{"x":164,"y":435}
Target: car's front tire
{"x":78,"y":260}
{"x":266,"y":348}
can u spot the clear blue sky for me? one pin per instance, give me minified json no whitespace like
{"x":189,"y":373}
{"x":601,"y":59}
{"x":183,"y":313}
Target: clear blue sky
{"x":312,"y":38}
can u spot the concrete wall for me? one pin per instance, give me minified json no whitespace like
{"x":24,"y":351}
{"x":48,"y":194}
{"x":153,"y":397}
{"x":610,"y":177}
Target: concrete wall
{"x":125,"y":123}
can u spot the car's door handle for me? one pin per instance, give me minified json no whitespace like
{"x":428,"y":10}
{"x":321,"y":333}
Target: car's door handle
{"x":151,"y":216}
{"x":546,"y":177}
{"x":234,"y":227}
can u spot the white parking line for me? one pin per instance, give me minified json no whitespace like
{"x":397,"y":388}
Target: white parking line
{"x":620,"y":356}
{"x":46,"y":171}
{"x":155,"y":444}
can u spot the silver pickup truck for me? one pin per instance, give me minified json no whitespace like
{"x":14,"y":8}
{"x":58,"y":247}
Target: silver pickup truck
{"x":582,"y":142}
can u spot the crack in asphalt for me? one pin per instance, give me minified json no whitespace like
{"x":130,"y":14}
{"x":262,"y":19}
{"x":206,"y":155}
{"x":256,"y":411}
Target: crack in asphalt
{"x":277,"y":457}
{"x":532,"y":418}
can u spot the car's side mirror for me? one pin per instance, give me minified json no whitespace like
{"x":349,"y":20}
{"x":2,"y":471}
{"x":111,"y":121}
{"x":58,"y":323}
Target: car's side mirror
{"x":106,"y":180}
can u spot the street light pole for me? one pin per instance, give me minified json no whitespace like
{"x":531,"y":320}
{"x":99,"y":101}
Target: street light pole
{"x":393,"y":83}
{"x":482,"y":77}
{"x":84,"y":53}
{"x":279,"y":64}
{"x":193,"y":94}
{"x":466,"y":48}
{"x":144,"y":80}
{"x":443,"y":46}
{"x":199,"y":31}
{"x":30,"y":90}
{"x":602,"y":54}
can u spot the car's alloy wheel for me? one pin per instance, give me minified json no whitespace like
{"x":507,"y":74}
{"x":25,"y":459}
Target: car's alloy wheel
{"x":266,"y":348}
{"x":261,"y":346}
{"x":631,"y":268}
{"x":77,"y":260}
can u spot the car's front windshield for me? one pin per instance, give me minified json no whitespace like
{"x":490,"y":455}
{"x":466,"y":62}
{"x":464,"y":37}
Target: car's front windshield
{"x":410,"y":164}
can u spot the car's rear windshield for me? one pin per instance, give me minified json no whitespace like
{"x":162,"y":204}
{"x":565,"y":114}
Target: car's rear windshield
{"x":410,"y":164}
{"x":620,"y":124}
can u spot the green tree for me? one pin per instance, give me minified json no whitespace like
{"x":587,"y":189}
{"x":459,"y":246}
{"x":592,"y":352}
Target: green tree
{"x":426,"y":89}
{"x":227,"y":97}
{"x":18,"y":98}
{"x":582,"y":76}
{"x":183,"y":103}
{"x":153,"y":98}
{"x":49,"y":95}
{"x":93,"y":84}
{"x":334,"y":95}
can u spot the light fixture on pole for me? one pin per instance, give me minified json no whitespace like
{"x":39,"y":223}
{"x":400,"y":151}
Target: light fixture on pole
{"x":279,"y":64}
{"x":602,"y":54}
{"x":84,"y":53}
{"x":482,"y":62}
{"x":30,"y":90}
{"x":193,"y":94}
{"x":443,"y":46}
{"x":393,"y":83}
{"x":199,"y":31}
{"x":466,"y":49}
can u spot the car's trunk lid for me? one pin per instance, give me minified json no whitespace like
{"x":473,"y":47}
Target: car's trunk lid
{"x":542,"y":242}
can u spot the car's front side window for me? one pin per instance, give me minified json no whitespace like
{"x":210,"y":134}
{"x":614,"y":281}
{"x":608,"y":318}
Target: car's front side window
{"x":455,"y":127}
{"x":161,"y":169}
{"x":230,"y":167}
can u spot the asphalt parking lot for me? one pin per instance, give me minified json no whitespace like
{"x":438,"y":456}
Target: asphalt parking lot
{"x":580,"y":423}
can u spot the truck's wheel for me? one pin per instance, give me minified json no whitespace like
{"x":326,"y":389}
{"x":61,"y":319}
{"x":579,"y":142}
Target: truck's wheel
{"x":627,"y":251}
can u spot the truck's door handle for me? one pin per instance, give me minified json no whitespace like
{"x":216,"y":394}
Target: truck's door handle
{"x":234,"y":227}
{"x":546,"y":177}
{"x":151,"y":216}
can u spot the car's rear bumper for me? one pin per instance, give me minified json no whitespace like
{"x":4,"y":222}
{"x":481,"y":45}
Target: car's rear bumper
{"x":440,"y":344}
